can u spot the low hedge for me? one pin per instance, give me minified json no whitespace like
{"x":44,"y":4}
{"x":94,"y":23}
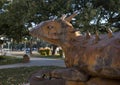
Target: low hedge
{"x":48,"y":52}
{"x":9,"y":60}
{"x":45,"y":51}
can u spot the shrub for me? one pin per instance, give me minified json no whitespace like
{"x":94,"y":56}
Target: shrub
{"x":61,"y":52}
{"x":45,"y":51}
{"x":2,"y":58}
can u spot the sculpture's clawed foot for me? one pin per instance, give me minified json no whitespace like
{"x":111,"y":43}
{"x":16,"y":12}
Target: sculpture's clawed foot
{"x":43,"y":77}
{"x":69,"y":74}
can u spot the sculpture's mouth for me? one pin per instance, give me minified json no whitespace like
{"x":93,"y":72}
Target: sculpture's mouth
{"x":36,"y":30}
{"x":35,"y":33}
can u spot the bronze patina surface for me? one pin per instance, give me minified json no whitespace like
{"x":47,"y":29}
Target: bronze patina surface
{"x":91,"y":55}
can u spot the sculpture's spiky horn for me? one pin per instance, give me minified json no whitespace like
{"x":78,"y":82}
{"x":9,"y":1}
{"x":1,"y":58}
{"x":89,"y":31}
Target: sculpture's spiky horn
{"x":63,"y":16}
{"x":88,"y":35}
{"x":110,"y":33}
{"x":71,"y":16}
{"x":97,"y":38}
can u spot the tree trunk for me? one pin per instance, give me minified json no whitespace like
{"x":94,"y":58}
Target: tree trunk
{"x":30,"y":46}
{"x":54,"y":48}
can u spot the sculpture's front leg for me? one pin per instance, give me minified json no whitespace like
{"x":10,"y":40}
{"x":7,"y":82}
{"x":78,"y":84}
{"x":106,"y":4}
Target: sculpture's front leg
{"x":71,"y":74}
{"x":68,"y":76}
{"x":57,"y":77}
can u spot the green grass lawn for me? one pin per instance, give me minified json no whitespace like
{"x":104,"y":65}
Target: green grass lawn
{"x":9,"y":60}
{"x":18,"y":76}
{"x":51,"y":56}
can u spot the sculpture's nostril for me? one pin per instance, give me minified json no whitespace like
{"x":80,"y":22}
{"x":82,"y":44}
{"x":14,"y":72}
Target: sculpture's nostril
{"x":30,"y":28}
{"x":32,"y":31}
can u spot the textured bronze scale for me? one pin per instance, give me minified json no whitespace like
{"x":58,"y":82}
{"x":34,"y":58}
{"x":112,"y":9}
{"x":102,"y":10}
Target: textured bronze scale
{"x":90,"y":59}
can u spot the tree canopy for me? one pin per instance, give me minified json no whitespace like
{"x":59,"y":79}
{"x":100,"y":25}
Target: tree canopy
{"x":16,"y":16}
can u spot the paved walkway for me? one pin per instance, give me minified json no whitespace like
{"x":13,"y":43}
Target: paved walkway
{"x":36,"y":62}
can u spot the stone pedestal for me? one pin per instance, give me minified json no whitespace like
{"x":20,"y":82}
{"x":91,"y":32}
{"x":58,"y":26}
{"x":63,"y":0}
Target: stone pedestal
{"x":38,"y":78}
{"x":102,"y":81}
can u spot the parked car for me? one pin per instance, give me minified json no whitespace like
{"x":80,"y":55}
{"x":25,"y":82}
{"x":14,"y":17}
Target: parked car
{"x":27,"y":50}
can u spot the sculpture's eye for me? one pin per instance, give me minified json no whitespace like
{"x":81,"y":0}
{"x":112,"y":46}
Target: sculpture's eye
{"x":50,"y":27}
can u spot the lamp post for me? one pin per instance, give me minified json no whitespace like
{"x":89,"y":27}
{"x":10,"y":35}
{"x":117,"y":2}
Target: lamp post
{"x":8,"y":47}
{"x":25,"y":45}
{"x":1,"y":44}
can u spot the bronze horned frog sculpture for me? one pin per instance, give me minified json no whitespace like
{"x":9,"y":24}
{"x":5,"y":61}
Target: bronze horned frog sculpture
{"x":94,"y":55}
